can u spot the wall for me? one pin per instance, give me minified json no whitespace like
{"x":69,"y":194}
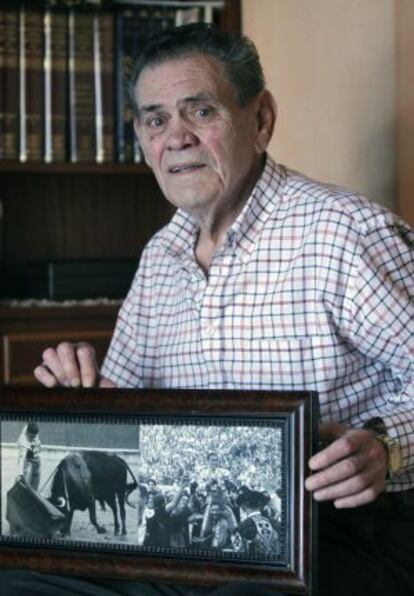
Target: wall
{"x":331,"y":67}
{"x":405,"y":108}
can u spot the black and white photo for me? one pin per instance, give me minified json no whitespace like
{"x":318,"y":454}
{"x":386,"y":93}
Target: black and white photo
{"x":135,"y":483}
{"x":156,"y":486}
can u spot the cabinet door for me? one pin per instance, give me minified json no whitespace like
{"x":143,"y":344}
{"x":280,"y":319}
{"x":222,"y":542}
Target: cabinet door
{"x":22,"y":352}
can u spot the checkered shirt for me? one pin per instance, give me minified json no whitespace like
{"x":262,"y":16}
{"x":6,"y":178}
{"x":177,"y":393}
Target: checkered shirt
{"x":312,"y":289}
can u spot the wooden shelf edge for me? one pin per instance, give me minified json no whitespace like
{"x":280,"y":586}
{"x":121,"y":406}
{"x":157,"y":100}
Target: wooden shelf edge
{"x":73,"y":168}
{"x":78,"y":310}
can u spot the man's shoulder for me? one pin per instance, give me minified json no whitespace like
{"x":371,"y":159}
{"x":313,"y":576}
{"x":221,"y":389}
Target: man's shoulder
{"x":330,"y":201}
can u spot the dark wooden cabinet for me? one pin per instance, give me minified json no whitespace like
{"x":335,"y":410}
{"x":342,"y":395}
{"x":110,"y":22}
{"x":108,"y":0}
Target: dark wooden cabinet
{"x":65,"y":211}
{"x":26,"y":331}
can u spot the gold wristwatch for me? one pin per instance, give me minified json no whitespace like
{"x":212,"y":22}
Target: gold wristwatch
{"x":392,"y":447}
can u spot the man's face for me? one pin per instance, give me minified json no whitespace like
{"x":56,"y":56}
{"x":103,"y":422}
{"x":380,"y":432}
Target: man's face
{"x":183,"y":502}
{"x":199,"y":142}
{"x":213,"y":460}
{"x":215,"y":512}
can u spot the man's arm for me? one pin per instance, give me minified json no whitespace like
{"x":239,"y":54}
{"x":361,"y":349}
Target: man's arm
{"x":352,"y":470}
{"x":21,"y":459}
{"x":70,"y":365}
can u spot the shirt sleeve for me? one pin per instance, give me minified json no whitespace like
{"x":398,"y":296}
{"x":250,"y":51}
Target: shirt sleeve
{"x":382,"y":323}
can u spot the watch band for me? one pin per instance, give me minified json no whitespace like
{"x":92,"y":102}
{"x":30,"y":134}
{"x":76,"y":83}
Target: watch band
{"x":392,"y":447}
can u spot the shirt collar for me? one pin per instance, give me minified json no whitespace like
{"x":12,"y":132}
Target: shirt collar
{"x":182,"y":231}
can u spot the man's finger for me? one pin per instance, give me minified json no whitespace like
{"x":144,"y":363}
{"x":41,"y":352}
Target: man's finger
{"x":51,"y":361}
{"x":362,"y":498}
{"x":88,"y":366}
{"x":350,"y":486}
{"x":339,"y":449}
{"x":67,"y":357}
{"x":344,"y":469}
{"x":44,"y":376}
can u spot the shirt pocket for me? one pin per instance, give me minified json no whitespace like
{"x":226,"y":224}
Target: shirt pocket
{"x":288,"y":363}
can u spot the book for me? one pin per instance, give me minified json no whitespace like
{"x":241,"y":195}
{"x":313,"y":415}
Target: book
{"x":55,"y":85}
{"x":141,"y":22}
{"x":9,"y":31}
{"x":2,"y":61}
{"x":146,"y":21}
{"x":184,"y":16}
{"x":82,"y":130}
{"x":104,"y":86}
{"x":124,"y":32}
{"x":31,"y":84}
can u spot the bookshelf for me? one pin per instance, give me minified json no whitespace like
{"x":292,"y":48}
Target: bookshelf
{"x":64,"y":211}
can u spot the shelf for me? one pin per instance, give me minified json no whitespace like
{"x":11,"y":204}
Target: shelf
{"x":44,"y":309}
{"x":73,"y":168}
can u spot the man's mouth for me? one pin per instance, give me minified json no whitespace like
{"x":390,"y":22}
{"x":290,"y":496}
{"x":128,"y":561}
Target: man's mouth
{"x":185,"y":168}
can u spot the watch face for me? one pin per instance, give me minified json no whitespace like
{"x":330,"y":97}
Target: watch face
{"x":394,"y":458}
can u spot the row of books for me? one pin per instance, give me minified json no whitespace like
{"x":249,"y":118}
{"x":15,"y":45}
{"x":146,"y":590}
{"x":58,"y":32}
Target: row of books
{"x":63,"y":75}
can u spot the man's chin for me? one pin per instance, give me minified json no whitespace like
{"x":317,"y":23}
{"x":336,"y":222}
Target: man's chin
{"x":189,"y":200}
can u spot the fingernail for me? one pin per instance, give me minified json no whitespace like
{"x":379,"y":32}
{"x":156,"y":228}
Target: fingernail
{"x":75,"y":382}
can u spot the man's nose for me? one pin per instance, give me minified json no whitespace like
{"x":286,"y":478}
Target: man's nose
{"x":180,"y":136}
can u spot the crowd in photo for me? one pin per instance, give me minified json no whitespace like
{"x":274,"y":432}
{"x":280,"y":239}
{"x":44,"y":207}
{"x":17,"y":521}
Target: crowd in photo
{"x":214,"y":488}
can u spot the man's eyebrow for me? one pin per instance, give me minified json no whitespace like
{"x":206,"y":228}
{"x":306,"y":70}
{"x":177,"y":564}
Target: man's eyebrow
{"x":202,"y":96}
{"x":150,"y":107}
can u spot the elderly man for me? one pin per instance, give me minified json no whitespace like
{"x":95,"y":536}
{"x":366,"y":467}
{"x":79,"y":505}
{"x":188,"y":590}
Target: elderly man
{"x":265,"y":279}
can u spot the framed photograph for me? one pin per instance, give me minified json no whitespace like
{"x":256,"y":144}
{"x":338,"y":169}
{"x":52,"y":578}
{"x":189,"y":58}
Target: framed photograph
{"x":176,"y":486}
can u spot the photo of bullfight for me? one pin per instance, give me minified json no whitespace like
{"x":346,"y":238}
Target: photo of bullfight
{"x":69,"y":481}
{"x":215,"y":489}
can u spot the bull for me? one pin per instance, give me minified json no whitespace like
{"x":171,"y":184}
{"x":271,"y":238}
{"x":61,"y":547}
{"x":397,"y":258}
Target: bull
{"x":83,"y":478}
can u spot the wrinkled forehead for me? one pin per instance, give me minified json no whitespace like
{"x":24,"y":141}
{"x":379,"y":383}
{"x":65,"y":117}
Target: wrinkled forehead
{"x":175,"y":79}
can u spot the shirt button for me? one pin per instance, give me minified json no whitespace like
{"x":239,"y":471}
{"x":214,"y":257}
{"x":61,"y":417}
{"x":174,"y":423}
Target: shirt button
{"x":211,"y":330}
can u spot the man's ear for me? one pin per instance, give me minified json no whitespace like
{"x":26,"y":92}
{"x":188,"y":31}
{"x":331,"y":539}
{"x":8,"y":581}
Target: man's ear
{"x":266,"y":117}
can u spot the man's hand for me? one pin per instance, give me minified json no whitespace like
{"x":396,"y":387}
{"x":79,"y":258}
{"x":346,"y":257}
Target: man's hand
{"x":70,"y":365}
{"x":351,"y":471}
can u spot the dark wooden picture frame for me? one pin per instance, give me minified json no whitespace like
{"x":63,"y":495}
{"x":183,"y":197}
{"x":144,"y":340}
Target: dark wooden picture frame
{"x":264,"y":438}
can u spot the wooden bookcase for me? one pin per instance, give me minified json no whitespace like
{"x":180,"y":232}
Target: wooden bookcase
{"x":71,"y":211}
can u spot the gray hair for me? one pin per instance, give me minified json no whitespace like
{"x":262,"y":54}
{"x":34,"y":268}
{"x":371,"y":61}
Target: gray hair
{"x":237,"y":54}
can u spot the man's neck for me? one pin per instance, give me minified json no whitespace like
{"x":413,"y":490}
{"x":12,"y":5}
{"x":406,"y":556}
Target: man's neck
{"x":214,"y":226}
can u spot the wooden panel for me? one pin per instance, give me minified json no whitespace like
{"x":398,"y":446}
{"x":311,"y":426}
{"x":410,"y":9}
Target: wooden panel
{"x":23,"y":352}
{"x":76,"y":216}
{"x":405,"y":108}
{"x":26,"y":331}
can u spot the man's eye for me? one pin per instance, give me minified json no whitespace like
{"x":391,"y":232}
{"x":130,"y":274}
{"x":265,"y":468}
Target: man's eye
{"x":204,"y":112}
{"x":155,"y":122}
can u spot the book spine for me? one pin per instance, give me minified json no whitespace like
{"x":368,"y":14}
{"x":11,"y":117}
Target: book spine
{"x":56,"y":87}
{"x":32,"y":71}
{"x":168,"y":18}
{"x":10,"y":87}
{"x":73,"y":141}
{"x":97,"y":74}
{"x":119,"y":89}
{"x":2,"y":82}
{"x":22,"y":86}
{"x":138,"y":40}
{"x":84,"y":88}
{"x":184,"y":16}
{"x":47,"y":86}
{"x":127,"y":62}
{"x":106,"y":34}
